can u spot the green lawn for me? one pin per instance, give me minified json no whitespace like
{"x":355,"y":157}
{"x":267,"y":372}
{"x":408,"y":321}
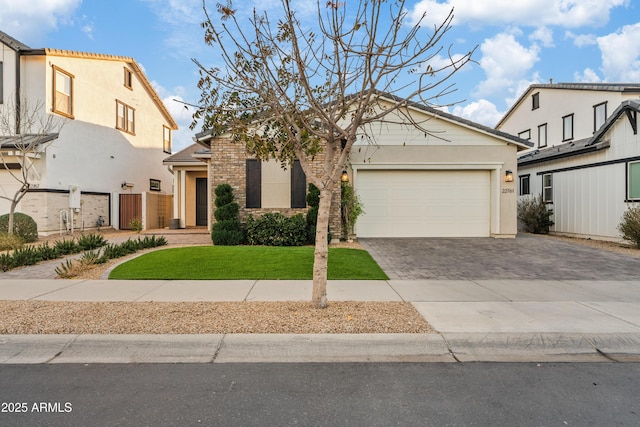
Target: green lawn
{"x":247,"y":262}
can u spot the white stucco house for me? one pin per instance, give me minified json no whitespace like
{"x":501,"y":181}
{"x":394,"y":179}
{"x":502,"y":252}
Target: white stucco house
{"x":586,"y":156}
{"x":115,"y":134}
{"x":455,"y":181}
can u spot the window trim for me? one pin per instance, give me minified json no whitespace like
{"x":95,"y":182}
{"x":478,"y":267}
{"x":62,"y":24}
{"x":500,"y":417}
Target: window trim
{"x":128,"y":78}
{"x":535,"y":101}
{"x":167,"y":144}
{"x":525,"y":134}
{"x":71,"y":77}
{"x":564,"y":129}
{"x":521,"y":179}
{"x":540,"y":127}
{"x":549,"y":187}
{"x":628,"y":197}
{"x":595,"y":115}
{"x":126,"y":108}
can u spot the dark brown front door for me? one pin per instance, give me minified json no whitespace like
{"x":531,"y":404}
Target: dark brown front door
{"x":201,"y":201}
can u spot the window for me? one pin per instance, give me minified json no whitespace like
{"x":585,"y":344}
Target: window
{"x":535,"y":101}
{"x":128,"y":79}
{"x":524,"y":185}
{"x":633,"y":181}
{"x":270,"y":186}
{"x":125,"y":119}
{"x":547,"y":188}
{"x":154,"y":184}
{"x":1,"y":84}
{"x":599,"y":115}
{"x":62,"y":92}
{"x":567,"y":127}
{"x":166,"y":144}
{"x":542,"y":136}
{"x":526,"y":135}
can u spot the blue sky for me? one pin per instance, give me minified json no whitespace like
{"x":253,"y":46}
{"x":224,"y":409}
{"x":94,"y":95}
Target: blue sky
{"x":520,"y":42}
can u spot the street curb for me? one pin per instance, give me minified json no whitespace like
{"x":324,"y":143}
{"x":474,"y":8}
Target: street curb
{"x":318,"y":348}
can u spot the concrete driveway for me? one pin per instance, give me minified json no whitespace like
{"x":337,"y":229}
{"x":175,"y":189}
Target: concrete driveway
{"x":525,"y":257}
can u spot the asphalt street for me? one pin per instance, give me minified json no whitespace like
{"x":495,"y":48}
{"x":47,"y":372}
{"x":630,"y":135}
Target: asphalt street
{"x":351,"y":394}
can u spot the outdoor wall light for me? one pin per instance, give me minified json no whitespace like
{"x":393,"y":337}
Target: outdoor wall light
{"x":345,"y":176}
{"x":508,"y":176}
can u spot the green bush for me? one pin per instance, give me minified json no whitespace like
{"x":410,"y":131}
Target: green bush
{"x":47,"y":252}
{"x":66,"y":247}
{"x":23,"y":226}
{"x":91,"y":241}
{"x":534,"y":215}
{"x":630,"y":225}
{"x":227,"y":230}
{"x":275,"y":229}
{"x":313,"y":201}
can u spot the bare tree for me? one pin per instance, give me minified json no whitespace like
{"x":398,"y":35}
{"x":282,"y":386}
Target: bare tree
{"x":291,"y":92}
{"x":26,"y":130}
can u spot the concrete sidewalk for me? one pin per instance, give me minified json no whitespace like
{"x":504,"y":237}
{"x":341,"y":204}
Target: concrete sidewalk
{"x":476,"y":320}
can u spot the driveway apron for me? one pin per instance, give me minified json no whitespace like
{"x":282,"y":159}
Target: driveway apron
{"x":526,"y":257}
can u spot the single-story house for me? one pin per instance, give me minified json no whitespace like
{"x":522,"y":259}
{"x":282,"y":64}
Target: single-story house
{"x":454,"y":181}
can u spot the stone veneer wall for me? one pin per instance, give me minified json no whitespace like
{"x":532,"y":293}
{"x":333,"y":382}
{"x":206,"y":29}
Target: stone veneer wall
{"x":228,"y":166}
{"x":45,"y":206}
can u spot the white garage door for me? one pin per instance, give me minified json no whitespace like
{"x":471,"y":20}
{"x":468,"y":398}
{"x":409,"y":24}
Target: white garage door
{"x":420,"y":203}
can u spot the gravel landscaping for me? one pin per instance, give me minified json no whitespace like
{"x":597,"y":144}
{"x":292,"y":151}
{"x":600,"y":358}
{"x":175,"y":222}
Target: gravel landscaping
{"x":54,"y":317}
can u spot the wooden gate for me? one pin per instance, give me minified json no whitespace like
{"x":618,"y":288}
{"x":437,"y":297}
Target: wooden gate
{"x":130,"y":208}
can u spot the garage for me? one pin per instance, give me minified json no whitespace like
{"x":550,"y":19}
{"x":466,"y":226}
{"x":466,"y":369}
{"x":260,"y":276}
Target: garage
{"x":424,"y":203}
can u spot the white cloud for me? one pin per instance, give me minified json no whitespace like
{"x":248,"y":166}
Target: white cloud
{"x":587,"y":76}
{"x":482,"y":111}
{"x":28,"y":24}
{"x":505,"y":63}
{"x":581,"y":40}
{"x":544,"y":35}
{"x":621,"y":54}
{"x":535,"y":13}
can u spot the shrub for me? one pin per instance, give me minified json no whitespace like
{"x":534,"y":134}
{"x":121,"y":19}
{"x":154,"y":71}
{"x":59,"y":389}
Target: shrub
{"x":27,"y":255}
{"x":23,"y":226}
{"x":91,"y":241}
{"x":47,"y":252}
{"x":10,"y":242}
{"x":65,"y":247}
{"x":313,"y":201}
{"x":350,"y":208}
{"x":534,"y":215}
{"x":227,"y":230}
{"x":630,"y":225}
{"x":275,"y":229}
{"x":136,"y":225}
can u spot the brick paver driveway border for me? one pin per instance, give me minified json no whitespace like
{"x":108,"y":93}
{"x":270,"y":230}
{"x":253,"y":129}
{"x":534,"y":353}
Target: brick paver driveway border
{"x":525,"y":257}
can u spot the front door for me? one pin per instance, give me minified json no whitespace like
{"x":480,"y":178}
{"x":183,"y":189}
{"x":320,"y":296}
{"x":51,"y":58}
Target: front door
{"x":201,"y":201}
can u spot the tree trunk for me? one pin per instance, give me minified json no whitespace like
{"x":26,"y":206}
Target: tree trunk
{"x":12,"y":211}
{"x":321,"y":253}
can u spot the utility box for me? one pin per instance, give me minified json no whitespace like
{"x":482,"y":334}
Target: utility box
{"x":74,"y":197}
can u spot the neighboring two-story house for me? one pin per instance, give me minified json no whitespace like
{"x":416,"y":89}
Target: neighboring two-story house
{"x":586,"y":156}
{"x":116,"y":133}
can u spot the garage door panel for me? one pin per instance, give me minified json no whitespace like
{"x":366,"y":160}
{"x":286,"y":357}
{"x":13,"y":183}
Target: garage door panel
{"x":424,"y":203}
